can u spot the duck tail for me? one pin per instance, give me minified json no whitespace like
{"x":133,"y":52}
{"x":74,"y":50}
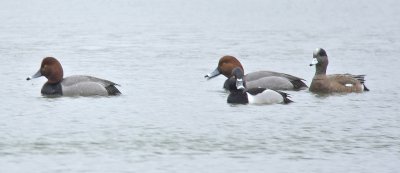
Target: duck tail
{"x":361,"y":78}
{"x":112,"y":90}
{"x":285,"y":96}
{"x":365,"y":88}
{"x":298,"y":84}
{"x":287,"y":100}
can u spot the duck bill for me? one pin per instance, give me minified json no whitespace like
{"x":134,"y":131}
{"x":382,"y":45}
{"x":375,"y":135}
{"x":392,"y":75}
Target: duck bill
{"x":36,"y":75}
{"x":314,"y":61}
{"x":213,"y":74}
{"x":239,"y":84}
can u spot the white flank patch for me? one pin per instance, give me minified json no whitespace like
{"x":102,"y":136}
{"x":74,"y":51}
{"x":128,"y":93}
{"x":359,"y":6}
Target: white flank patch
{"x":349,"y":85}
{"x":266,"y":97}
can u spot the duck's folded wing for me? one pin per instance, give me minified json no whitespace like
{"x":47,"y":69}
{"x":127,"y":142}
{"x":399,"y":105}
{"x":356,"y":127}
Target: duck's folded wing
{"x":346,"y":79}
{"x":275,"y":80}
{"x":88,"y":86}
{"x":261,"y":74}
{"x":73,"y":80}
{"x":360,"y":78}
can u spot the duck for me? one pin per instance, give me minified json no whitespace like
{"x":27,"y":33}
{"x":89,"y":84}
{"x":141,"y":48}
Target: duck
{"x":240,"y":94}
{"x":76,"y":85}
{"x":259,"y":79}
{"x":333,"y":83}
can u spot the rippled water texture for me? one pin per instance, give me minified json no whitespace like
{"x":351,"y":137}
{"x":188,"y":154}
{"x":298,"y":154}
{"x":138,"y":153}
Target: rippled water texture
{"x":169,"y":118}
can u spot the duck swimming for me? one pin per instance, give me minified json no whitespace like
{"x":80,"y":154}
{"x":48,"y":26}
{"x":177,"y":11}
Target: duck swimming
{"x":239,"y":94}
{"x":323,"y":83}
{"x":259,"y":79}
{"x":77,"y":85}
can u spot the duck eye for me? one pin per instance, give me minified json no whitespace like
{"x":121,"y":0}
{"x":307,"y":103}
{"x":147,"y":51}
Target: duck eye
{"x":43,"y":68}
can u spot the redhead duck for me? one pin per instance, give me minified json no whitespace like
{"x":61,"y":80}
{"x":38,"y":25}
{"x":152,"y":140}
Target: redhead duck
{"x":239,"y":94}
{"x":77,"y":85}
{"x":260,"y":79}
{"x":323,"y":83}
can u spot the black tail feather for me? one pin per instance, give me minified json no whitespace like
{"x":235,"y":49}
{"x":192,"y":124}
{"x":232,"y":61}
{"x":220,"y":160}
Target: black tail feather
{"x":112,"y":90}
{"x":287,"y":100}
{"x":298,"y":84}
{"x":285,"y":96}
{"x":361,"y":78}
{"x":365,"y":88}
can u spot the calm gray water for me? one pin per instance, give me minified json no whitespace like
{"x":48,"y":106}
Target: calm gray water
{"x":169,"y":118}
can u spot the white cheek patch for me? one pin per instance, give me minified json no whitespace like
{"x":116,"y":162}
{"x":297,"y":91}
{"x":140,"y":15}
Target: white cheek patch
{"x":314,"y":61}
{"x":348,"y":85}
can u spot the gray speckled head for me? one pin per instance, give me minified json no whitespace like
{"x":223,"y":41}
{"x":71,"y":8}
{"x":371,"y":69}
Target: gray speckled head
{"x":319,"y":52}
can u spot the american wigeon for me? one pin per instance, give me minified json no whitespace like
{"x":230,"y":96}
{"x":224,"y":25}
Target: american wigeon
{"x":239,"y":94}
{"x":323,"y":83}
{"x":260,"y":79}
{"x":77,"y":85}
